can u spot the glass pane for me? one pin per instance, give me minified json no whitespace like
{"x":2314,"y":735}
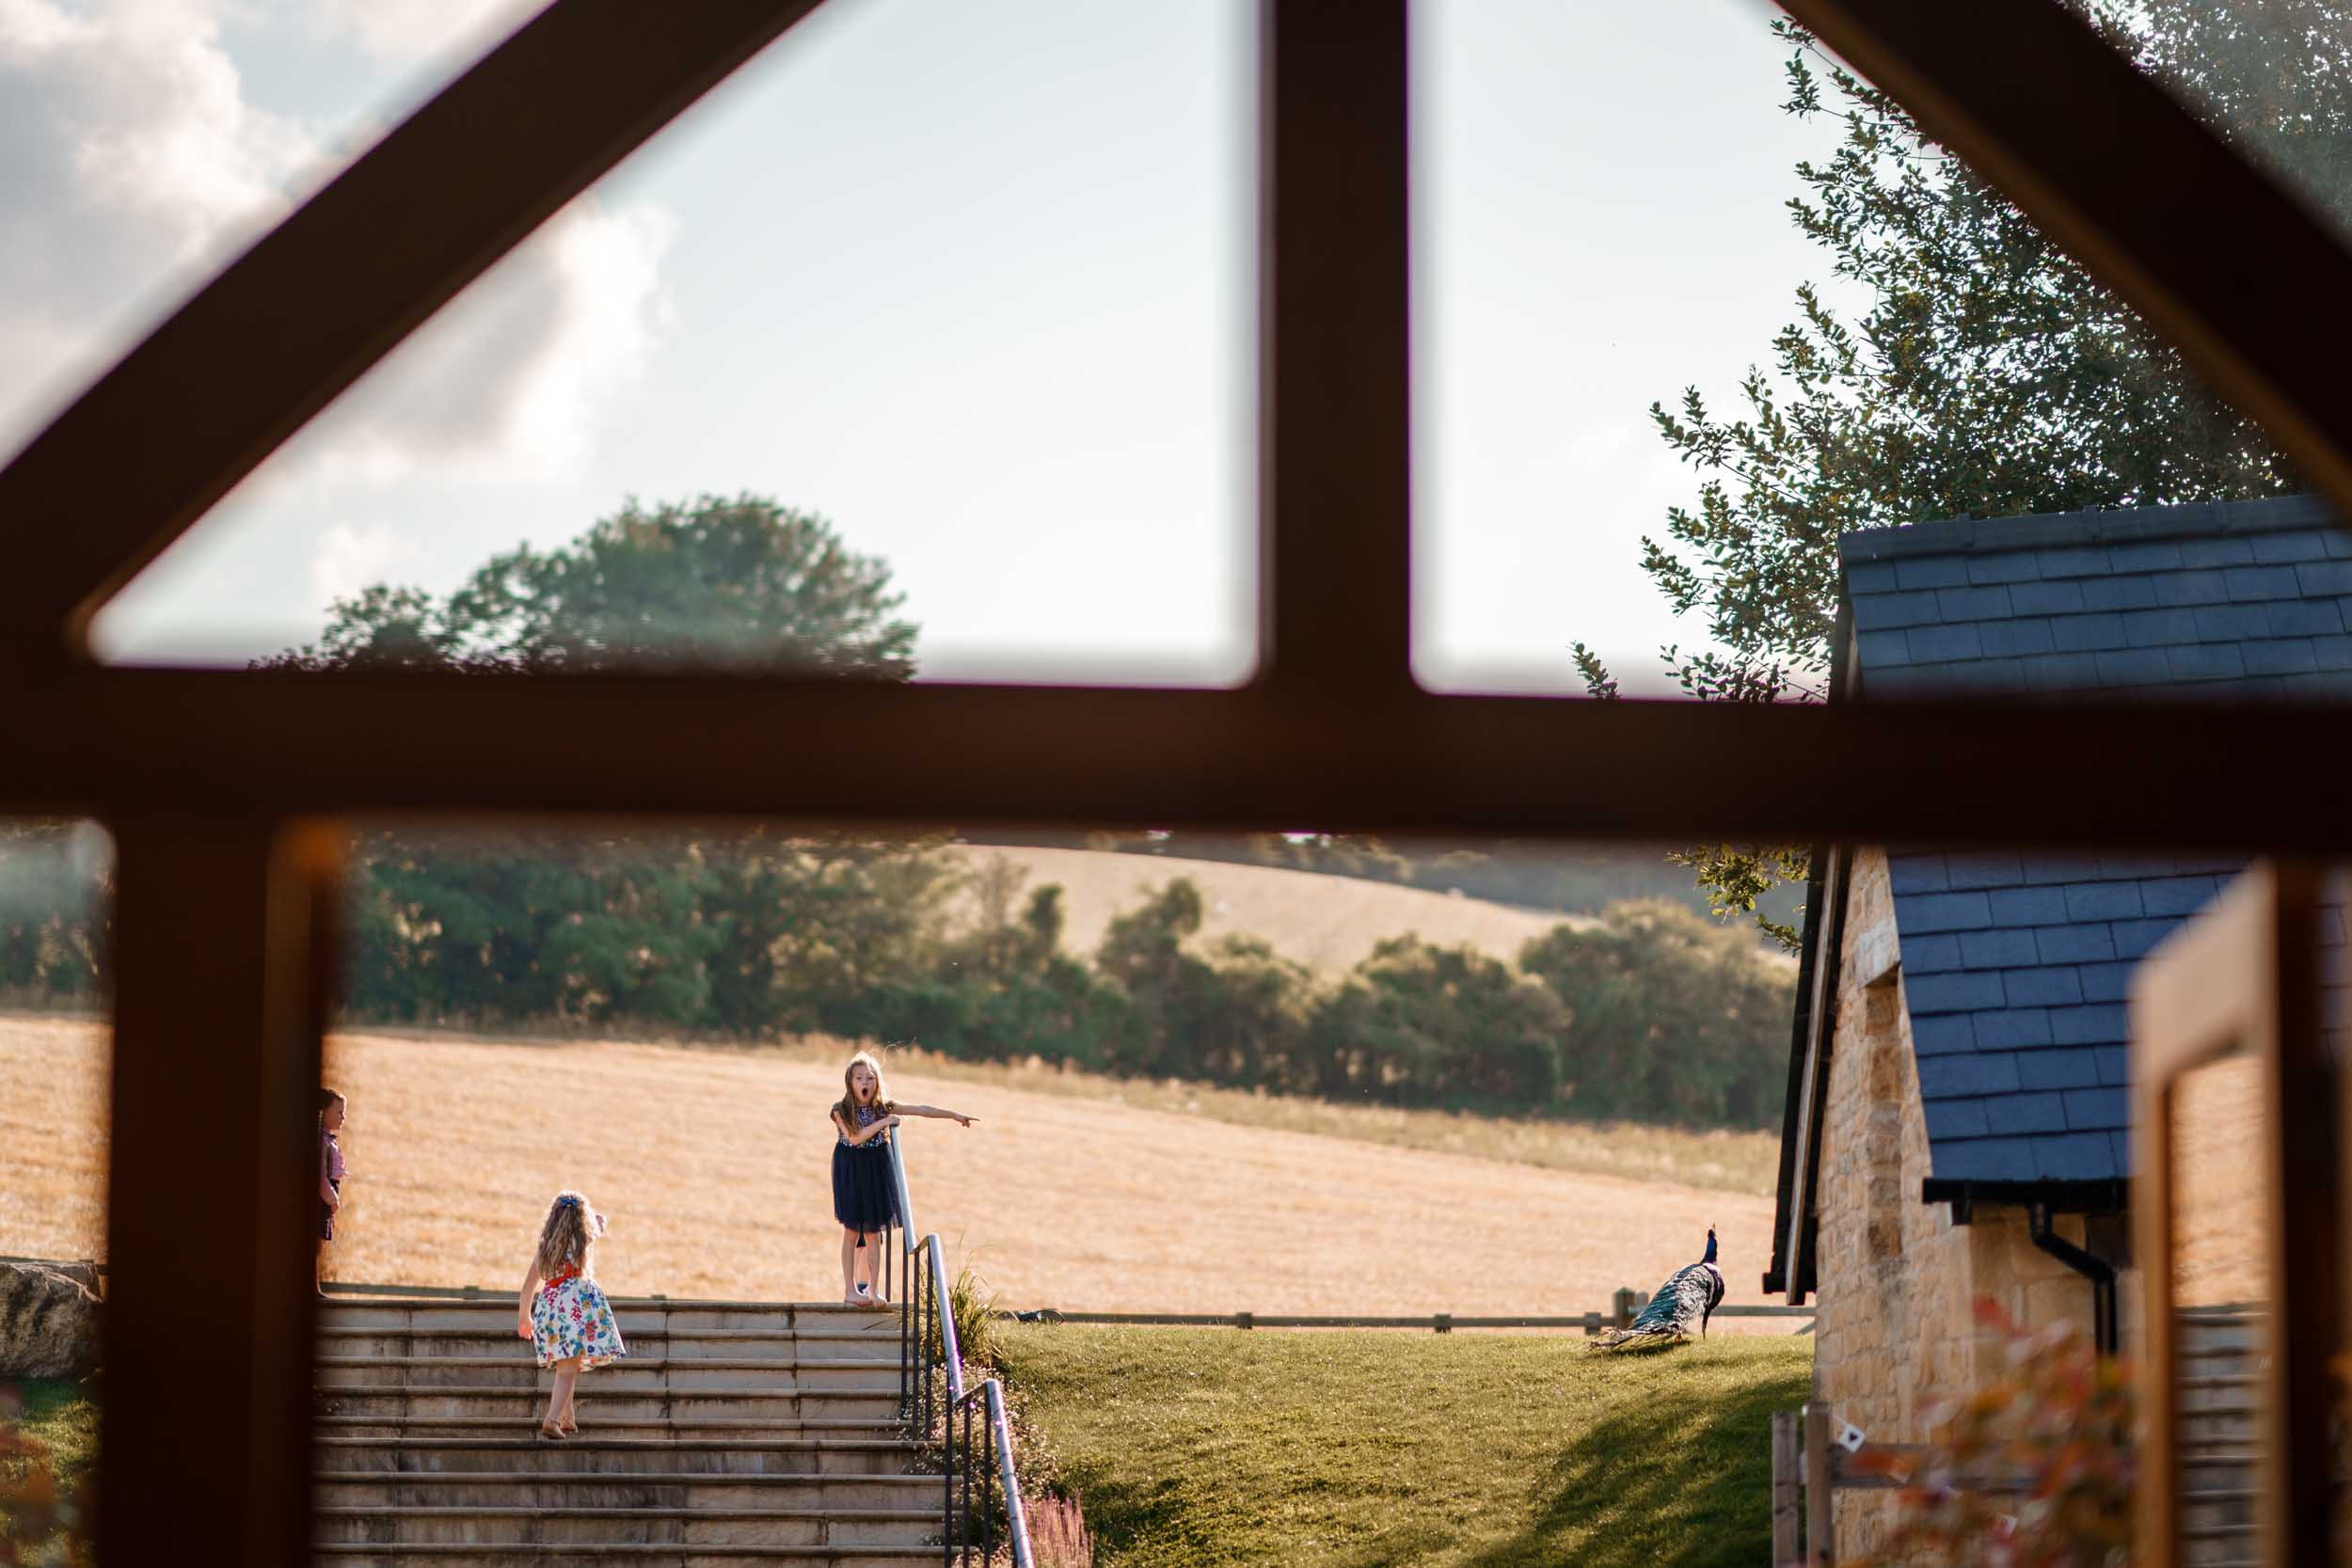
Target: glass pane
{"x":1772,"y":359}
{"x":2221,"y":1284}
{"x":54,"y":910}
{"x":1479,"y":1016}
{"x":1588,"y":241}
{"x":927,"y":340}
{"x":1190,"y":1062}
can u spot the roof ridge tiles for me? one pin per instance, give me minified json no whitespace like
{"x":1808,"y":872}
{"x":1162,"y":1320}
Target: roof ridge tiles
{"x":1966,"y":535}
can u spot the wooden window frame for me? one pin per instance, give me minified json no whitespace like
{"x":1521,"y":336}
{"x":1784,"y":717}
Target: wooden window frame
{"x":206,"y":777}
{"x":2245,"y":976}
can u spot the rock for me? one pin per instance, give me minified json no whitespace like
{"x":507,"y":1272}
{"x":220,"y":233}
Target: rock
{"x":48,"y":1323}
{"x":83,"y":1274}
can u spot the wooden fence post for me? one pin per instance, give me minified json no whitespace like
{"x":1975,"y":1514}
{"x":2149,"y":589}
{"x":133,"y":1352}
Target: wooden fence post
{"x":1784,"y":1488}
{"x":1621,"y":1307}
{"x":1819,"y":1531}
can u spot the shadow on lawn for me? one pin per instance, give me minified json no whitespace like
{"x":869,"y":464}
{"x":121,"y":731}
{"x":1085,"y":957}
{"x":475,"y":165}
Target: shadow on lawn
{"x":1681,"y":1478}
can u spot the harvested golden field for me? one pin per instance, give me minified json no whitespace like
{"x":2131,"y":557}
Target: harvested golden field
{"x":713,"y":1164}
{"x":1325,"y":921}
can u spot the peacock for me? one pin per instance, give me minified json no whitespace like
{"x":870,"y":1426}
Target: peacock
{"x":1684,"y":1303}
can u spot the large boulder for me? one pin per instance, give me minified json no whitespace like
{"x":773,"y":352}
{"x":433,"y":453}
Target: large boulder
{"x":48,"y":1323}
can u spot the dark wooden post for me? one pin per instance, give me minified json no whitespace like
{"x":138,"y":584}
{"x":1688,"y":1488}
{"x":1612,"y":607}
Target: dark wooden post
{"x":1820,"y":1528}
{"x":223,"y":936}
{"x":1784,"y":1488}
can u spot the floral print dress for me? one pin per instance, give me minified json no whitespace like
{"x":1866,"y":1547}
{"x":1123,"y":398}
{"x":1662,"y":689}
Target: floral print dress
{"x":570,"y":1317}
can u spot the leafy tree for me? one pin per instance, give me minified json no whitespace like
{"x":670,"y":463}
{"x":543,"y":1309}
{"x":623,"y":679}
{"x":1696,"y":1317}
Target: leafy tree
{"x":54,"y":911}
{"x":1671,"y":1017}
{"x":734,"y":584}
{"x":1427,"y":1025}
{"x":1985,"y":372}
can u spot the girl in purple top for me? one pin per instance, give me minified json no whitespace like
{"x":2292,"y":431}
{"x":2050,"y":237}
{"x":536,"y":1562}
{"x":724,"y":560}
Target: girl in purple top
{"x":332,"y":1110}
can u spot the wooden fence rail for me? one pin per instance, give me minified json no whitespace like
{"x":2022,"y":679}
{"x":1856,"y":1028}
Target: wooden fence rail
{"x":1804,"y":1529}
{"x":1621,"y":1312}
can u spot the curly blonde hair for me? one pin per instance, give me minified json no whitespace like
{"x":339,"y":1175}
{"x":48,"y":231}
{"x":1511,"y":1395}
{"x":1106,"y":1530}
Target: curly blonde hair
{"x":569,"y":1236}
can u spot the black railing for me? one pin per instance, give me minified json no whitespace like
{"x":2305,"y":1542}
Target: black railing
{"x":938,"y":1406}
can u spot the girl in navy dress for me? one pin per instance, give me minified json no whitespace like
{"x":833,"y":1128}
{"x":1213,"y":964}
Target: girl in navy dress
{"x":865,"y":1199}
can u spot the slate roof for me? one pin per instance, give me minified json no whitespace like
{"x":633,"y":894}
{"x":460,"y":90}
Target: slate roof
{"x":2015,"y":967}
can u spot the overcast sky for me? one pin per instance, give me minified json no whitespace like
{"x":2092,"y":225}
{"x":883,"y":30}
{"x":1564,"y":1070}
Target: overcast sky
{"x":973,"y":280}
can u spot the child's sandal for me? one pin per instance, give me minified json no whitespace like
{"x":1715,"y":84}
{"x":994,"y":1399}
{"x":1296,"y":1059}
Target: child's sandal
{"x":552,"y":1433}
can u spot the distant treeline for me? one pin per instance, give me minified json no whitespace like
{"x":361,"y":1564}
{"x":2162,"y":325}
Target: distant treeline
{"x":1654,"y":1012}
{"x":1568,"y":878}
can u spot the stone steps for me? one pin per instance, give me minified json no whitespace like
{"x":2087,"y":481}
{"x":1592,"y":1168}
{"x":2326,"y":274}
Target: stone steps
{"x":833,"y":1493}
{"x":587,"y":1454}
{"x":733,"y":1434}
{"x":347,"y":1404}
{"x":676,"y":1345}
{"x":632,"y":1373}
{"x":633,"y":1554}
{"x":456,"y":1524}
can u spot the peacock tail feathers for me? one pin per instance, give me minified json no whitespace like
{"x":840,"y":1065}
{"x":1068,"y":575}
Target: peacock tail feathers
{"x":1679,"y":1311}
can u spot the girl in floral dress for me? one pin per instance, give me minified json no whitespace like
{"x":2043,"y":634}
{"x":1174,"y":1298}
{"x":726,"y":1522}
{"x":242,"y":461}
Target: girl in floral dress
{"x":562,"y":1312}
{"x":865,"y":1198}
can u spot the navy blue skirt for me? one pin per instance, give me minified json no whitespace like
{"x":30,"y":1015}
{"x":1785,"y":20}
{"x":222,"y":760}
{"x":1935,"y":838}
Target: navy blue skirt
{"x":864,"y":1198}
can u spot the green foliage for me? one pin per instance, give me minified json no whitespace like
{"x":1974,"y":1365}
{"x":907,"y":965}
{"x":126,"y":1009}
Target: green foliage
{"x":2059,"y":1422}
{"x":1984,"y":373}
{"x":972,"y":1303}
{"x":54,"y":910}
{"x":48,"y":1443}
{"x":734,"y":584}
{"x":1210,"y":1448}
{"x":1653,"y":1013}
{"x":1426,"y":1024}
{"x":1673,"y":1018}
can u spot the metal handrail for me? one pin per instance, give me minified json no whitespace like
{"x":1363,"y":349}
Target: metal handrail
{"x":925,"y":1272}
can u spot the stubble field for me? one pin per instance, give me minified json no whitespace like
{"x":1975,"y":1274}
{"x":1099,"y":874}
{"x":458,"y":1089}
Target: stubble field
{"x":713,"y":1164}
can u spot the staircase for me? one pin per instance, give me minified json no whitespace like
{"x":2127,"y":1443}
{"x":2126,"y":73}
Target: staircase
{"x":733,"y":1434}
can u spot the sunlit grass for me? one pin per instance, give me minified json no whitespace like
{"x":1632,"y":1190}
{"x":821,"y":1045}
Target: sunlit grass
{"x":1216,"y":1448}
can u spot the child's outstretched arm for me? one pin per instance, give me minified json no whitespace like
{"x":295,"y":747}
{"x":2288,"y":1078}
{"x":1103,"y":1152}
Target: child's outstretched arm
{"x":936,"y":1111}
{"x":523,"y":1303}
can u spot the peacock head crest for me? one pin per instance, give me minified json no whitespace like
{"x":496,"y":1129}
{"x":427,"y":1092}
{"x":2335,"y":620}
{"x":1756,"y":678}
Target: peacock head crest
{"x":1711,"y":1246}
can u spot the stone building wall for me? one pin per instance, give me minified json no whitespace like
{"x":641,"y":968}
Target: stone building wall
{"x":1898,"y":1279}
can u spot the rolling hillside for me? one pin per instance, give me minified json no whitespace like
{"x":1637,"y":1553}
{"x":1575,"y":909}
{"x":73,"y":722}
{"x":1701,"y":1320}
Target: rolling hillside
{"x":1328,"y":923}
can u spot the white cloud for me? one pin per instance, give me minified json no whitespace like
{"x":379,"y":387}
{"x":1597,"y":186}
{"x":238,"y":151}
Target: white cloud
{"x":135,"y":164}
{"x":507,"y":382}
{"x":416,"y":29}
{"x":350,"y":558}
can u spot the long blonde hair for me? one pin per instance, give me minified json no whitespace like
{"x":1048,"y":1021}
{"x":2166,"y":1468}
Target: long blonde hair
{"x":846,"y":1108}
{"x":567,"y":1237}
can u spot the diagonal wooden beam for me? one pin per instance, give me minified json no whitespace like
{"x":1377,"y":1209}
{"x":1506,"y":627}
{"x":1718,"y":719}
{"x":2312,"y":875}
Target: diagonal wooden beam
{"x":293,"y":321}
{"x":1268,"y":757}
{"x":2215,"y":257}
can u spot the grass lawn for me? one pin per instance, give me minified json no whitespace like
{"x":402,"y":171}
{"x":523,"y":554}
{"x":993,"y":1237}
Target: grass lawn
{"x":61,"y":1419}
{"x":1201,"y":1447}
